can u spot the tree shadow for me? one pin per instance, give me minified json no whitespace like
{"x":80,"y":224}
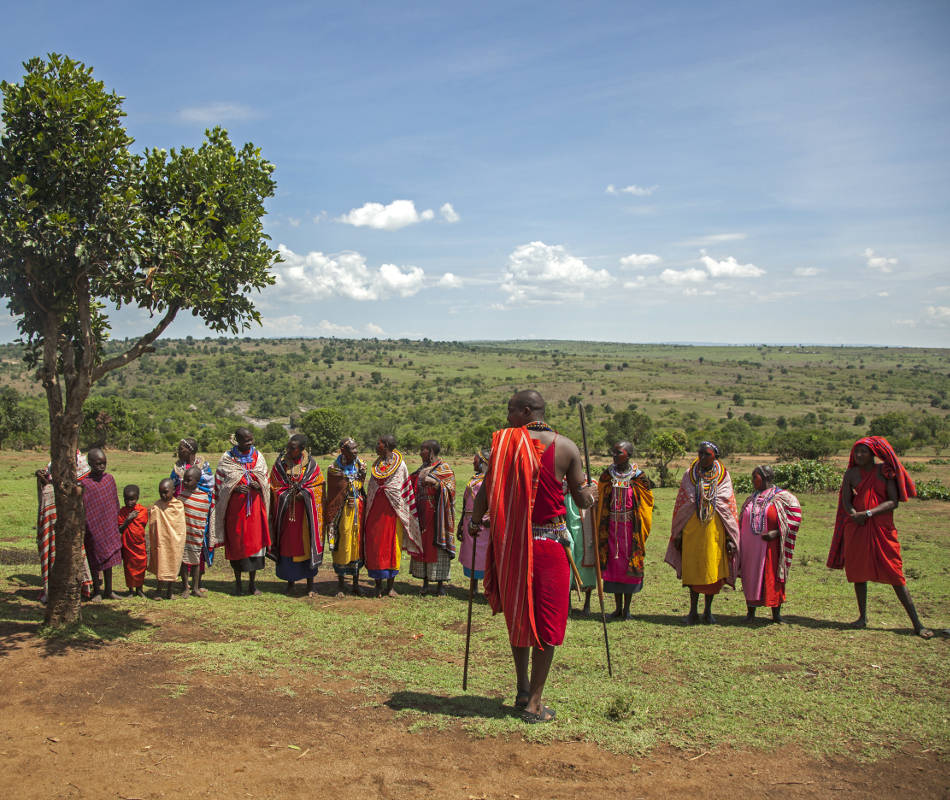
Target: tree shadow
{"x":22,"y":622}
{"x":465,"y":705}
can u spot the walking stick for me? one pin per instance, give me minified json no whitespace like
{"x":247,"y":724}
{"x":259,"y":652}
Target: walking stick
{"x":574,"y":571}
{"x":468,"y":627}
{"x":600,"y":579}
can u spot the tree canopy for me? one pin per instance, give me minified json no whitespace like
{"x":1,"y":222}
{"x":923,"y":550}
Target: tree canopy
{"x":86,"y":226}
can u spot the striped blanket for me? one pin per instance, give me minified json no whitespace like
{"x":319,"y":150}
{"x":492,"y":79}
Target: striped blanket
{"x":46,"y":530}
{"x":789,"y":512}
{"x":511,"y":485}
{"x":396,"y":484}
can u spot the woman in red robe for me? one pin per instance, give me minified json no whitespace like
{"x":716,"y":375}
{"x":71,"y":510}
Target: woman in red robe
{"x":865,"y":540}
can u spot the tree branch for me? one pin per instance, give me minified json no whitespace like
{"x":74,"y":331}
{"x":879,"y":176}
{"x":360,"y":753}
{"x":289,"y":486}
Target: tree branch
{"x":88,"y":357}
{"x":139,"y":347}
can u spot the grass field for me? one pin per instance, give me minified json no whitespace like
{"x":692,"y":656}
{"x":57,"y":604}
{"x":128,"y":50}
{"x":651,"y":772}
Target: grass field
{"x":809,"y":683}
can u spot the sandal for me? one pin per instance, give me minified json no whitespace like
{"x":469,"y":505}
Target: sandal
{"x":545,"y":715}
{"x":521,"y":700}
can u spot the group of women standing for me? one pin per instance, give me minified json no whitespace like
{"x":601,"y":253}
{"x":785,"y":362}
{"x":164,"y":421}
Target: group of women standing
{"x":714,"y":543}
{"x":366,"y":518}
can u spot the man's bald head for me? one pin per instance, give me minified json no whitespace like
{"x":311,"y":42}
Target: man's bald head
{"x":524,"y":407}
{"x":527,"y":398}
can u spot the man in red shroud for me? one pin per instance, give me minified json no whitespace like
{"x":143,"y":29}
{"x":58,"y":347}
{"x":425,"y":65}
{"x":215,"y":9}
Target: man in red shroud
{"x":527,"y":575}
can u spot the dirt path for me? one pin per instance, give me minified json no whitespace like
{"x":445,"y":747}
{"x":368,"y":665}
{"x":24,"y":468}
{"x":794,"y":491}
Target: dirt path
{"x":118,"y":721}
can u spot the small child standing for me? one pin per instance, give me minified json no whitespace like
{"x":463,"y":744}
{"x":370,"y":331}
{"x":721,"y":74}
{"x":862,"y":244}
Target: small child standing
{"x":198,"y":514}
{"x":166,"y":538}
{"x":133,"y":518}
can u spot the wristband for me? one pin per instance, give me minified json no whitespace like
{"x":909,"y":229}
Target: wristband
{"x":868,"y":514}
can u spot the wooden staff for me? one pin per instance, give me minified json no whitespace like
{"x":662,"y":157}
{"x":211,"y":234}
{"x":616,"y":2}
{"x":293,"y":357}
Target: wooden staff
{"x":471,"y":596}
{"x":574,"y":571}
{"x":600,"y":579}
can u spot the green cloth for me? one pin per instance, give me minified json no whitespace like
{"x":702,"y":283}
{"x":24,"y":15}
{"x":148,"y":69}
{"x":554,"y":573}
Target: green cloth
{"x":588,"y":574}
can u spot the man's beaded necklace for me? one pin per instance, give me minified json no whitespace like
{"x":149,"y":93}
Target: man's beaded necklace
{"x":539,"y":425}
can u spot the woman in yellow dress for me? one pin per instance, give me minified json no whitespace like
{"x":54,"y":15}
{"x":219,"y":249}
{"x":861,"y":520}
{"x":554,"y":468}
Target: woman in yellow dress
{"x":705,"y":531}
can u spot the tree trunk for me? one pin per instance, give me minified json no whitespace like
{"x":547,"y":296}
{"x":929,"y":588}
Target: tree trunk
{"x":64,"y":601}
{"x":65,"y":414}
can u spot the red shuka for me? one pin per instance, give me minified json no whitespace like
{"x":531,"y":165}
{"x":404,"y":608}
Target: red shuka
{"x":134,"y":556}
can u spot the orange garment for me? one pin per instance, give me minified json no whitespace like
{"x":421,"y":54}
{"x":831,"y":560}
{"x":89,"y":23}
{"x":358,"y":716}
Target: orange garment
{"x":511,"y":485}
{"x":134,"y":554}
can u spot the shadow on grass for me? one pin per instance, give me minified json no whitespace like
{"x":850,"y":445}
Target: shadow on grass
{"x":465,"y":705}
{"x":22,"y":620}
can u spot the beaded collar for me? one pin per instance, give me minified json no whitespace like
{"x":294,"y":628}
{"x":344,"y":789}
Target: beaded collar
{"x":386,"y":469}
{"x":539,"y":425}
{"x":706,"y":483}
{"x":760,"y":507}
{"x":628,"y":473}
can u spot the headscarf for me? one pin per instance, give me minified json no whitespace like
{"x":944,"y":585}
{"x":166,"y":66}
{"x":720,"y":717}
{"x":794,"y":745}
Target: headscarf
{"x":893,"y":469}
{"x":711,"y":446}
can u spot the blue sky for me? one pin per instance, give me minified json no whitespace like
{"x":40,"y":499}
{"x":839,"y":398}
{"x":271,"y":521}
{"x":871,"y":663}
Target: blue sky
{"x":723,"y":172}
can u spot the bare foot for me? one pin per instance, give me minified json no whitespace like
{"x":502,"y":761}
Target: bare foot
{"x":859,"y":624}
{"x":924,"y":633}
{"x":441,"y":592}
{"x":186,"y":592}
{"x":96,"y":598}
{"x":256,"y":593}
{"x":199,"y":593}
{"x":312,"y":593}
{"x":392,"y":593}
{"x":691,"y":619}
{"x":709,"y":619}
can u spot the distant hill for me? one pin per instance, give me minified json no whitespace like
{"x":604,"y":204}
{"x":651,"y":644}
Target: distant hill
{"x":457,"y":391}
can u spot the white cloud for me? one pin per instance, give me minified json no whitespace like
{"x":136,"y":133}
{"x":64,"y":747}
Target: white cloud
{"x":881,"y":263}
{"x":939,"y":315}
{"x":332,"y":329}
{"x":640,"y":260}
{"x":636,"y":191}
{"x":883,"y":294}
{"x":393,"y":280}
{"x":215,"y":112}
{"x":677,"y":277}
{"x":448,"y":213}
{"x":542,"y":273}
{"x":450,"y":281}
{"x":730,"y":268}
{"x":291,"y":323}
{"x":806,"y":272}
{"x":714,"y":238}
{"x":320,"y":217}
{"x":294,"y":222}
{"x":374,"y":329}
{"x":398,"y":214}
{"x":318,"y":276}
{"x":637,"y":283}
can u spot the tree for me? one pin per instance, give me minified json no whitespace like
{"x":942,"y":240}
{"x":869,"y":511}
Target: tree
{"x":631,"y":425}
{"x":664,"y":447}
{"x":814,"y":445}
{"x":14,"y":418}
{"x":86,"y":225}
{"x":324,"y":427}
